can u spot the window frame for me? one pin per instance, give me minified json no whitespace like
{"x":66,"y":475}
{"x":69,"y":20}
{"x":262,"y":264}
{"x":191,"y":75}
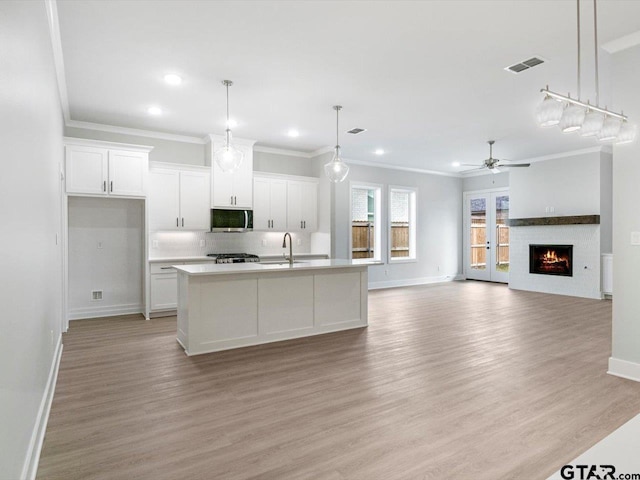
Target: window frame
{"x":413,"y":224}
{"x":378,"y":220}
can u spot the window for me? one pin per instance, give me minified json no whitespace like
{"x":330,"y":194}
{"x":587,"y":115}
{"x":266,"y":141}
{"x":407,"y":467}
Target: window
{"x":402,"y":224}
{"x":366,"y":229}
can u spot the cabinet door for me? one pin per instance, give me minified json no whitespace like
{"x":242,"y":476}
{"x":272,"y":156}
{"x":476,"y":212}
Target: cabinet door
{"x":86,"y":170}
{"x":164,"y":199}
{"x":310,"y":206}
{"x":195,"y":213}
{"x":243,"y":180}
{"x":164,"y":291}
{"x":262,"y":204}
{"x":221,"y":187}
{"x":294,"y":206}
{"x":278,"y":198}
{"x":127,"y":173}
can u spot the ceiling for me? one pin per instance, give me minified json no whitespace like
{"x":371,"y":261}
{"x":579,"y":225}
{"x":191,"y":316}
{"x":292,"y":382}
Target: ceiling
{"x":425,"y":78}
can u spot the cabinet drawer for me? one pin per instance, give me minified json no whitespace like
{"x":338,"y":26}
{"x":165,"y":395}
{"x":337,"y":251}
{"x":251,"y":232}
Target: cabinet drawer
{"x":164,"y":267}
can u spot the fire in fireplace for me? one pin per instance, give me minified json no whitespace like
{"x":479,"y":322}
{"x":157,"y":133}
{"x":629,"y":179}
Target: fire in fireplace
{"x":551,"y":259}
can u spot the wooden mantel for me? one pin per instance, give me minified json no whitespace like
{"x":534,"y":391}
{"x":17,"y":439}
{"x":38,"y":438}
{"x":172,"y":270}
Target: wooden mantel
{"x":568,"y":220}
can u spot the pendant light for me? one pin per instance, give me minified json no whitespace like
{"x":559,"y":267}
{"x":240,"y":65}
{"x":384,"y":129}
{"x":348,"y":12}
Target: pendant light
{"x":228,"y":157}
{"x":336,"y":170}
{"x":574,"y":115}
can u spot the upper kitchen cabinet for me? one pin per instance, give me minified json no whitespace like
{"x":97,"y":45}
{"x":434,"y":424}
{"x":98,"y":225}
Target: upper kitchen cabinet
{"x":179,"y":198}
{"x":270,"y":202}
{"x":105,"y":168}
{"x":231,"y":190}
{"x":302,"y":206}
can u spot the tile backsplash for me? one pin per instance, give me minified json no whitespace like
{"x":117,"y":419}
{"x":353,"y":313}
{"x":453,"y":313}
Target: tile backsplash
{"x":182,"y":244}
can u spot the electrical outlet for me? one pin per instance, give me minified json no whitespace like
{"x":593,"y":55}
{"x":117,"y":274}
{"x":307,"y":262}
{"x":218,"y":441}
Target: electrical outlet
{"x":386,"y":272}
{"x":635,"y":238}
{"x":546,"y":209}
{"x":202,"y":243}
{"x":99,"y":245}
{"x":154,"y":244}
{"x":298,"y":241}
{"x":552,"y":209}
{"x":264,"y":242}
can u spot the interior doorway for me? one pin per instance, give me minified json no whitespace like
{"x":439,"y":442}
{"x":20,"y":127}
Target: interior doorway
{"x":486,"y":235}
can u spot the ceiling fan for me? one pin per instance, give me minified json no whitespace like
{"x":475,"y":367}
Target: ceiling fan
{"x":493,"y":163}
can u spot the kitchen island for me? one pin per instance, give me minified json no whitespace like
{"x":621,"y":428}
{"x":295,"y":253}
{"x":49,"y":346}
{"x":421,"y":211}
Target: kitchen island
{"x":224,"y":306}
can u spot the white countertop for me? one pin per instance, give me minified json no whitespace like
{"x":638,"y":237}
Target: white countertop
{"x":232,"y":268}
{"x":204,"y":258}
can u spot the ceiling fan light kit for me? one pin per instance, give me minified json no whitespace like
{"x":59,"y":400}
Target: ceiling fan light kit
{"x":573,"y":115}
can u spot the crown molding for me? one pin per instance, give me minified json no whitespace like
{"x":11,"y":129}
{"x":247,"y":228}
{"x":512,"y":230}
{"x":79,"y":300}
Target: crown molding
{"x":106,"y":144}
{"x":214,"y":137}
{"x":133,"y":131}
{"x":281,"y":151}
{"x":58,"y":58}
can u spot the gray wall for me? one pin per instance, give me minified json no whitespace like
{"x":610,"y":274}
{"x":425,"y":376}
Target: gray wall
{"x":485,"y":182}
{"x":626,"y":216}
{"x":439,"y":219}
{"x":284,"y":164}
{"x":168,"y":151}
{"x":31,"y":138}
{"x":606,"y":202}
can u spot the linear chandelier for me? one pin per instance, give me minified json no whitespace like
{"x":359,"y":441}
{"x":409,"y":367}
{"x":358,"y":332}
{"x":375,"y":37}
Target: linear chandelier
{"x":574,"y":115}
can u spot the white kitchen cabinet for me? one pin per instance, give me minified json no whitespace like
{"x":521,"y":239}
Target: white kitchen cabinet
{"x":302,"y":206}
{"x":105,"y":168}
{"x":270,"y":203}
{"x":235,"y":189}
{"x":164,"y":289}
{"x":179,"y":198}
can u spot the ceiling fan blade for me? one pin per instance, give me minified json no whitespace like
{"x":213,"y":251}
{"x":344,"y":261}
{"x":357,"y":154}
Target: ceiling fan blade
{"x":473,"y":169}
{"x":514,"y":165}
{"x":471,"y":165}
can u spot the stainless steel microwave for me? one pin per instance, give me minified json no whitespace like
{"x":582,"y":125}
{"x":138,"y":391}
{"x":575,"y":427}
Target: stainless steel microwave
{"x":225,"y":220}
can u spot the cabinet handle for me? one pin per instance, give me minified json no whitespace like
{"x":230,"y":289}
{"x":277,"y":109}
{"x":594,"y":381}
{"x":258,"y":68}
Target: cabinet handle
{"x":183,"y":221}
{"x":111,"y":185}
{"x":166,"y":268}
{"x":104,"y":186}
{"x":235,"y":200}
{"x":304,"y":224}
{"x":231,"y":197}
{"x":177,"y":224}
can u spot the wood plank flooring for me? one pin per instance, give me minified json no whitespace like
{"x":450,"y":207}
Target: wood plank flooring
{"x":465,"y":380}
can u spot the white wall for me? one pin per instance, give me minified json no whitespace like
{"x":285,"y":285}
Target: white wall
{"x":167,"y":151}
{"x":31,"y":138}
{"x":439,"y":224}
{"x":606,"y":202}
{"x":626,"y":219}
{"x":571,"y":185}
{"x":117,"y":267}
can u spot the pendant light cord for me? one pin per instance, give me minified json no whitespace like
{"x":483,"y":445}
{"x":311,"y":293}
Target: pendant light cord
{"x":595,"y":36}
{"x":578,"y":30}
{"x":227,"y":130}
{"x":337,"y":107}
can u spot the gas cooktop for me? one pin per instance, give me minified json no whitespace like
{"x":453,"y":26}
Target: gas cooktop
{"x":234,"y":257}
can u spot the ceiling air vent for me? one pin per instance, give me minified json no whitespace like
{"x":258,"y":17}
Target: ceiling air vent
{"x":525,"y":65}
{"x":356,"y":131}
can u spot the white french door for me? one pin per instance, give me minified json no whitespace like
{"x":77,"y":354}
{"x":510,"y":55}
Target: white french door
{"x":486,"y":235}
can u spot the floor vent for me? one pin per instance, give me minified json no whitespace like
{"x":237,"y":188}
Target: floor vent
{"x":525,"y":65}
{"x":356,"y":131}
{"x":96,"y":295}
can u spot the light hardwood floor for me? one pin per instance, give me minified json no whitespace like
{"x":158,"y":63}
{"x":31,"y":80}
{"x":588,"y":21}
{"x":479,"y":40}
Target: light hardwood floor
{"x":465,"y":380}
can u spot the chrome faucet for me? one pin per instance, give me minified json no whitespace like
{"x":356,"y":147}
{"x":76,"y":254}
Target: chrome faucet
{"x":284,"y":245}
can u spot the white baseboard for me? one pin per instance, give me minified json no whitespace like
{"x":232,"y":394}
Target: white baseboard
{"x":30,"y":467}
{"x":408,"y":282}
{"x":624,"y":369}
{"x":108,"y":311}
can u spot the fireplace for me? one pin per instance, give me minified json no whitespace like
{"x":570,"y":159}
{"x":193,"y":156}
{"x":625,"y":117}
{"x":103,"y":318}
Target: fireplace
{"x":551,"y":260}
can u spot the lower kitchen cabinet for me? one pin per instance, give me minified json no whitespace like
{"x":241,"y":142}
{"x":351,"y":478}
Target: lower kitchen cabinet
{"x":164,"y":287}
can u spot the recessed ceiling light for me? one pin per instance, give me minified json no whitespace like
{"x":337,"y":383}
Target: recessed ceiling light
{"x":379,"y":151}
{"x":293,"y":133}
{"x":455,"y":164}
{"x":173,"y":79}
{"x":154,"y":111}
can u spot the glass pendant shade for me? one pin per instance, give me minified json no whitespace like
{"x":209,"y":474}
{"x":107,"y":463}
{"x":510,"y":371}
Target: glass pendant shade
{"x":228,"y":158}
{"x":627,"y":133}
{"x":336,"y":170}
{"x":592,"y":123}
{"x":572,"y":118}
{"x":549,"y":112}
{"x":610,"y":129}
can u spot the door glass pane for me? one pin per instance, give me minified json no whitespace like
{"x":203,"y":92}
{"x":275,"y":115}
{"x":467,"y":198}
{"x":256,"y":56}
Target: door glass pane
{"x":363,"y":220}
{"x":502,"y":233}
{"x":399,"y":224}
{"x":478,"y":234}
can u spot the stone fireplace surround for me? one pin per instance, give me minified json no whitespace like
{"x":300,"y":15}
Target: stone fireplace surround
{"x":585,"y":238}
